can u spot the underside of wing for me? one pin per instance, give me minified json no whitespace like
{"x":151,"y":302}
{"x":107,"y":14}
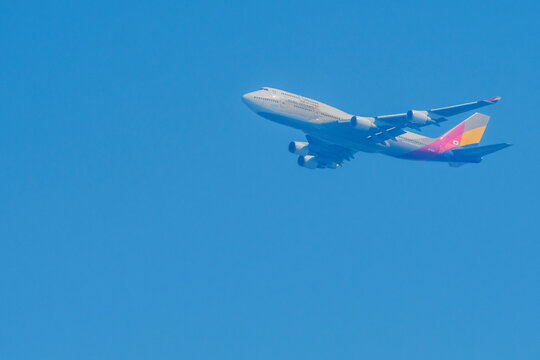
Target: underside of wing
{"x":317,"y":153}
{"x":416,"y":119}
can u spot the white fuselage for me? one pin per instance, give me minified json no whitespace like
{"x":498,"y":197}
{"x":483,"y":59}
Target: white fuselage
{"x":326,"y":122}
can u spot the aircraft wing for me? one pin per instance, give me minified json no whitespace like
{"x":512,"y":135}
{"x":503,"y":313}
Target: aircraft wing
{"x":328,"y":155}
{"x":416,"y":119}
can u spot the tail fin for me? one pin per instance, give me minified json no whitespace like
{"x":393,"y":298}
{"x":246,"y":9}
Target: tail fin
{"x":474,"y":129}
{"x":467,"y":132}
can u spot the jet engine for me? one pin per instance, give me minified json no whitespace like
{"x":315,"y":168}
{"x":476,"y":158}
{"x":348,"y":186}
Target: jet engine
{"x":308,"y":161}
{"x":299,"y":148}
{"x":419,"y":117}
{"x":362,"y":123}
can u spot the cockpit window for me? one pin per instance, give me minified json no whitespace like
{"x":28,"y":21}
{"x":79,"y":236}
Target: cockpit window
{"x":264,"y":89}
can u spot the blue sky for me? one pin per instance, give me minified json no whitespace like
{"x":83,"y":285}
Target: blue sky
{"x":147,"y":213}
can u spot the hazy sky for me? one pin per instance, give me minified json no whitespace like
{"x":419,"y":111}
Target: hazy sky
{"x":147,"y":213}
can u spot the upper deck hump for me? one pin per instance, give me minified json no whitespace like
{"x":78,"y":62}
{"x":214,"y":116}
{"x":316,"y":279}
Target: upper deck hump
{"x":323,"y":107}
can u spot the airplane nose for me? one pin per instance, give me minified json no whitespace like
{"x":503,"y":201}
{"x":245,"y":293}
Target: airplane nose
{"x":246,"y":98}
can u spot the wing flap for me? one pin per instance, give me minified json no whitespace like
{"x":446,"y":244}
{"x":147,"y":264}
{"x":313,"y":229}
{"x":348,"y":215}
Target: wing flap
{"x":328,"y":154}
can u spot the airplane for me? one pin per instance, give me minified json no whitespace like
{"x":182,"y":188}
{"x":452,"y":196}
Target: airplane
{"x":334,"y":136}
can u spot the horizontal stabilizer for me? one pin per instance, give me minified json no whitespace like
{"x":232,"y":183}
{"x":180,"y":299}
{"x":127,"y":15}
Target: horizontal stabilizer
{"x":478,"y":152}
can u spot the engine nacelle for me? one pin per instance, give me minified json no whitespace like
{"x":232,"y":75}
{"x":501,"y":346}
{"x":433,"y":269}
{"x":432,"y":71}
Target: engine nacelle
{"x":418,"y":117}
{"x":362,"y":123}
{"x":299,"y":148}
{"x":308,"y":161}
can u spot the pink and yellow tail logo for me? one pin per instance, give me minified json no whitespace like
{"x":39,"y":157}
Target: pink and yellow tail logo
{"x":467,"y":132}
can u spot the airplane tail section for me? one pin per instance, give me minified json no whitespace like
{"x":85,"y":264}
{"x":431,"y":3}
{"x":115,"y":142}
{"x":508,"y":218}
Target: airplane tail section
{"x":468,"y":132}
{"x":463,"y":141}
{"x":473,"y":129}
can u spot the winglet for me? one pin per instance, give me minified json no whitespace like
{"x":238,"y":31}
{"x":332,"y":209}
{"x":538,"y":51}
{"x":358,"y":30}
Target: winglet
{"x":494,"y":100}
